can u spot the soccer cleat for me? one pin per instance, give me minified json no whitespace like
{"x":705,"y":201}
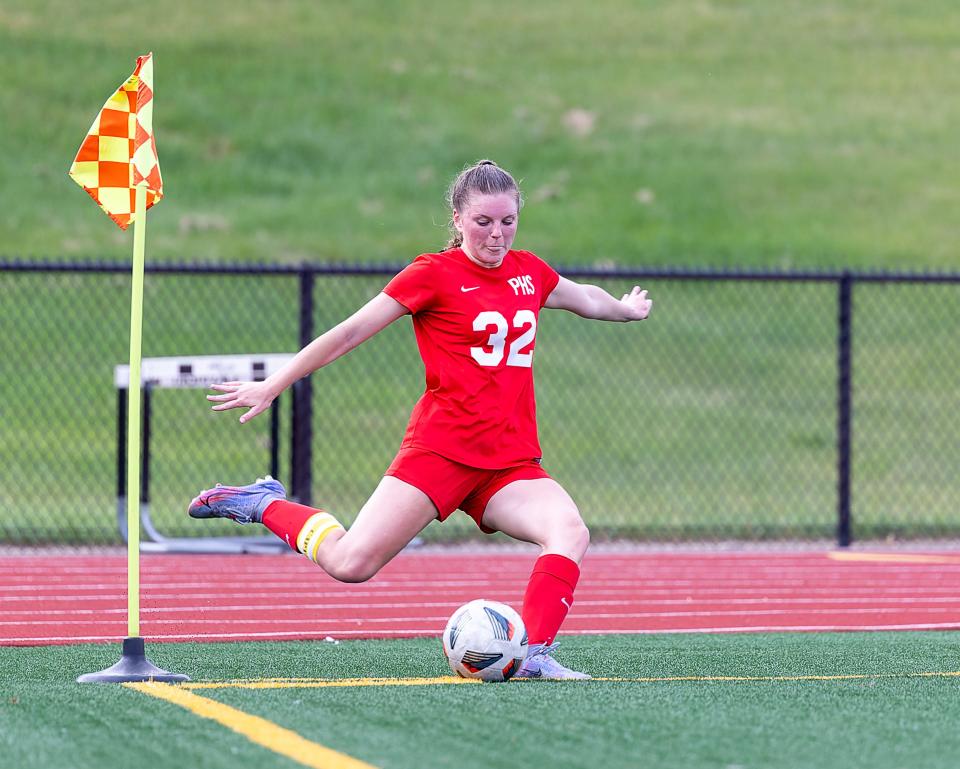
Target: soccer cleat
{"x":540,"y":664}
{"x":242,"y":504}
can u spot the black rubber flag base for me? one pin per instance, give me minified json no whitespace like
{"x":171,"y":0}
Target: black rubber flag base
{"x":133,"y":666}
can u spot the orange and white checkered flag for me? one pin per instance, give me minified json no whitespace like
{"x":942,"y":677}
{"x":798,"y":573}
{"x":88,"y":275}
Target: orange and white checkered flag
{"x":120,"y":152}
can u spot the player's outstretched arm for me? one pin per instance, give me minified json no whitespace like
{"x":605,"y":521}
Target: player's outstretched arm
{"x":595,"y":303}
{"x":373,"y":317}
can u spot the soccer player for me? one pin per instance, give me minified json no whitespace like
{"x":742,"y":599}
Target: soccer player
{"x":471,"y":442}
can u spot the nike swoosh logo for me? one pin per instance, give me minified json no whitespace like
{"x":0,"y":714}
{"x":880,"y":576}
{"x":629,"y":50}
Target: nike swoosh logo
{"x":465,"y":289}
{"x":563,"y":600}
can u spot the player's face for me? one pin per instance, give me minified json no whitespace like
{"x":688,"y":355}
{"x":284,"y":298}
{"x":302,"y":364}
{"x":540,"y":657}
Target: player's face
{"x":488,"y":224}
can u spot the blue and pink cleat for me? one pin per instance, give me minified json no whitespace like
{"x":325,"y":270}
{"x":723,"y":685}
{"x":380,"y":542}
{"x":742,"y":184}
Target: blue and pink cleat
{"x":242,"y":504}
{"x":540,"y":664}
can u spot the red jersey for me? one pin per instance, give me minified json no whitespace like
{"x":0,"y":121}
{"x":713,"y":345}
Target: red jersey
{"x":476,"y":329}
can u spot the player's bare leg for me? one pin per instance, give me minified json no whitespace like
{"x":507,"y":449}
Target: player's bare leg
{"x":395,"y":513}
{"x":540,"y":511}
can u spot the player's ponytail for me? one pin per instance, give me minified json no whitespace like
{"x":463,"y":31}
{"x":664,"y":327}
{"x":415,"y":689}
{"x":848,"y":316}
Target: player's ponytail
{"x":484,"y":178}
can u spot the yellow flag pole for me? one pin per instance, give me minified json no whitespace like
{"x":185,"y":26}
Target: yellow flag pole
{"x":133,"y":414}
{"x":133,"y":664}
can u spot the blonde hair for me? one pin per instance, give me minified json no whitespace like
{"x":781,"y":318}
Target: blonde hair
{"x":485,"y":178}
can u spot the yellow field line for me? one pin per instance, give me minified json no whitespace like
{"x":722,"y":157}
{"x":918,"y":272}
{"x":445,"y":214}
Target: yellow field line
{"x":320,"y":683}
{"x":308,"y":683}
{"x":254,"y":728}
{"x":894,"y":557}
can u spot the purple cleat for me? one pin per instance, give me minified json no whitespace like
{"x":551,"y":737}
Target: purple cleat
{"x":242,"y":504}
{"x":540,"y":664}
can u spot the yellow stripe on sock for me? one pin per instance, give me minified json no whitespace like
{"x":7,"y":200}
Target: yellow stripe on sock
{"x":259,"y":730}
{"x":317,"y":528}
{"x":316,"y":521}
{"x":314,"y":544}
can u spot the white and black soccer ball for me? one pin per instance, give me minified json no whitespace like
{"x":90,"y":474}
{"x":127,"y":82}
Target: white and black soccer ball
{"x":486,"y":640}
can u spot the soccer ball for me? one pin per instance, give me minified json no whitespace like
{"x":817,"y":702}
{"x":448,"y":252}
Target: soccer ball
{"x":486,"y":640}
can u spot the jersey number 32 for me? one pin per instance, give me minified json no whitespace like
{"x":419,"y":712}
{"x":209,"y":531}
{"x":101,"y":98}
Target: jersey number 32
{"x":492,"y":353}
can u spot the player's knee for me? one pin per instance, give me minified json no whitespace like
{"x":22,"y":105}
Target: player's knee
{"x":351,"y":573}
{"x":579,"y":538}
{"x":352,"y":568}
{"x":571,"y":538}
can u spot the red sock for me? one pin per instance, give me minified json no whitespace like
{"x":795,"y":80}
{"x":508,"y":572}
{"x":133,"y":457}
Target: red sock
{"x":286,"y":519}
{"x":549,"y":596}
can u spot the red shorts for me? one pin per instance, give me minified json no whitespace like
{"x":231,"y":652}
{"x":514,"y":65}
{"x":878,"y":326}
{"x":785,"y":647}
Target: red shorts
{"x":451,"y":485}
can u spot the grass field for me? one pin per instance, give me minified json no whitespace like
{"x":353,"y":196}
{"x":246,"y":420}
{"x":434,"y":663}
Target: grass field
{"x":699,"y":132}
{"x":871,"y":700}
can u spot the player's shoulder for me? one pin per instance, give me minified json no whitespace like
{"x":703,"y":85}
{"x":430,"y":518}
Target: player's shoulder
{"x":438,"y":262}
{"x":434,"y":272}
{"x":528,"y":258}
{"x":438,"y":257}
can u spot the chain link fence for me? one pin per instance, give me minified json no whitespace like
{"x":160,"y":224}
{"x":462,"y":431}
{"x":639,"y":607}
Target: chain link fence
{"x":749,"y":406}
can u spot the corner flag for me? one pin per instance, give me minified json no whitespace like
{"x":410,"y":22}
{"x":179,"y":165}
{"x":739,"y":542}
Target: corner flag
{"x":119,"y":152}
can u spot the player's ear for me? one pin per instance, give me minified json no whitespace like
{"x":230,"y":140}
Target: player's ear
{"x":457,"y":224}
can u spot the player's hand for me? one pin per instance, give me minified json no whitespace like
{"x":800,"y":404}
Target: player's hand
{"x":637,"y":305}
{"x":256,"y":396}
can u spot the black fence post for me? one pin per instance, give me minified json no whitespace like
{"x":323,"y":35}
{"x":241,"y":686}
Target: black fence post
{"x":844,"y":405}
{"x":122,"y":444}
{"x":145,"y":447}
{"x":302,"y":402}
{"x":275,"y":439}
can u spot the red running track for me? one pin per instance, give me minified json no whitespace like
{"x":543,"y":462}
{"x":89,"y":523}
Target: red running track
{"x":60,"y":599}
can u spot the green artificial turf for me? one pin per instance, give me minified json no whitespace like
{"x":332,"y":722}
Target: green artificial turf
{"x":889,"y":717}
